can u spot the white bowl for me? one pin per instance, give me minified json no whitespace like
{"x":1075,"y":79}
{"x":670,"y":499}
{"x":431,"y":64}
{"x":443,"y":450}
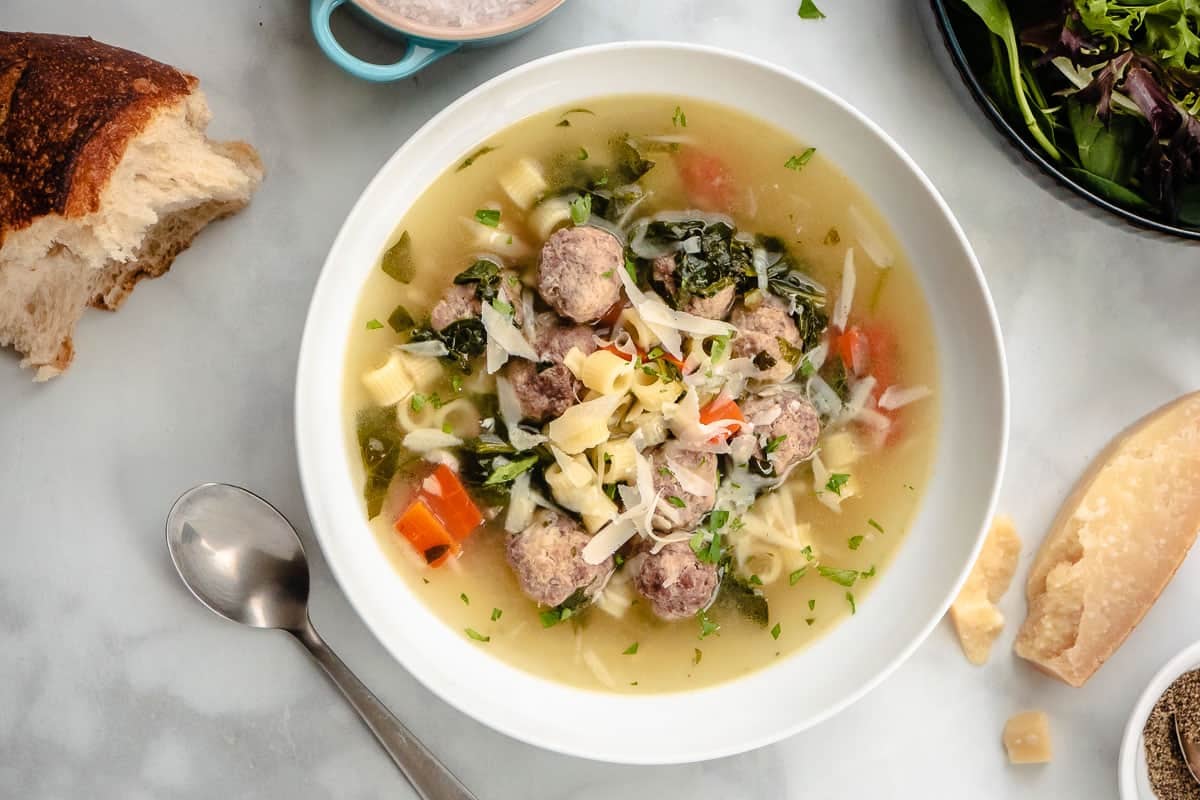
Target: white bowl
{"x":913,"y":593}
{"x":1132,"y":772}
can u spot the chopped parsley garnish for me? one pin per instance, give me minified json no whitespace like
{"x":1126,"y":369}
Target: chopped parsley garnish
{"x":796,"y":163}
{"x":809,"y":10}
{"x":807,"y":552}
{"x":666,"y":472}
{"x":812,"y":604}
{"x":631,"y":268}
{"x":510,"y":471}
{"x":466,"y":600}
{"x":374,"y":324}
{"x":843,"y":577}
{"x":608,"y":273}
{"x":809,"y":621}
{"x":417,"y":402}
{"x":631,"y":650}
{"x":435,"y":401}
{"x":807,"y":370}
{"x":469,"y":160}
{"x":488,"y":216}
{"x":447,"y":427}
{"x":698,"y":544}
{"x":717,"y":519}
{"x":833,"y":237}
{"x":456,"y":383}
{"x":714,"y":549}
{"x":875,"y":525}
{"x":566,"y":123}
{"x":707,"y":626}
{"x":676,"y":501}
{"x":610,"y":489}
{"x":850,"y":600}
{"x":496,"y":614}
{"x":679,"y":120}
{"x":618,"y":560}
{"x":697,"y":655}
{"x":757,"y":581}
{"x":855,"y":542}
{"x":868,"y":574}
{"x":477,"y":636}
{"x":581,"y":209}
{"x":502,"y":307}
{"x":633,"y":683}
{"x":776,"y":631}
{"x":773,"y":443}
{"x":795,"y":576}
{"x":655,"y":353}
{"x":836,"y":482}
{"x":583,"y":154}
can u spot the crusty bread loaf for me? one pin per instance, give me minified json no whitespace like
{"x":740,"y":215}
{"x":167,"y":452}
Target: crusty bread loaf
{"x":105,"y":176}
{"x":1115,"y":544}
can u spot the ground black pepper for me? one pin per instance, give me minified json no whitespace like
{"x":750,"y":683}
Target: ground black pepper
{"x":1169,"y":775}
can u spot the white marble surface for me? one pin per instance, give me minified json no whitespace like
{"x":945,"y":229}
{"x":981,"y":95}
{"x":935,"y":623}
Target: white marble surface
{"x":114,"y":683}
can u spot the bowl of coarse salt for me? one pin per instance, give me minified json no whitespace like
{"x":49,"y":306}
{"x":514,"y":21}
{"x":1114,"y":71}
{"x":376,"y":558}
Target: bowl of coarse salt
{"x":430,"y":28}
{"x":1151,"y":766}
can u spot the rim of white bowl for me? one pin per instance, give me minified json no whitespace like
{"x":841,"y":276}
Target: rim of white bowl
{"x":1130,"y":767}
{"x":310,"y":468}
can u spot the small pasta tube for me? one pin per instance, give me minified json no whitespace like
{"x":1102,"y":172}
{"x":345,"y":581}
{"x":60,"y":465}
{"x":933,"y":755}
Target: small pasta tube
{"x":653,"y":394}
{"x":549,"y":215}
{"x":606,"y":373}
{"x":425,"y":372}
{"x":414,"y":419}
{"x":573,"y":361}
{"x":588,"y":500}
{"x":459,"y":416}
{"x":615,"y":461}
{"x":495,"y":240}
{"x":583,"y":425}
{"x":390,"y":383}
{"x":524,"y":182}
{"x":632,"y":322}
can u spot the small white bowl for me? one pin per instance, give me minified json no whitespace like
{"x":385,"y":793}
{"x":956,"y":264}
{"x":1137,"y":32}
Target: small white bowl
{"x":911,"y":595}
{"x":1132,"y":772}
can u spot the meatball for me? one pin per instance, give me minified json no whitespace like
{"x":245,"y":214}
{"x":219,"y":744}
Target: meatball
{"x":789,"y":420}
{"x":715,"y":307}
{"x":461,"y":301}
{"x":547,"y":558}
{"x":548,"y":388}
{"x":578,"y":274}
{"x":759,"y":330}
{"x":679,"y":509}
{"x":676,"y":582}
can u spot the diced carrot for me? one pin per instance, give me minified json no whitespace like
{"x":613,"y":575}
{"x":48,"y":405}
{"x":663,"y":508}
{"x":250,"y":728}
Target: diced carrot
{"x":882,"y":355}
{"x":616,"y":351}
{"x":720,"y":408}
{"x":427,"y":534}
{"x":854,"y":348}
{"x":447,"y":498}
{"x":706,"y":179}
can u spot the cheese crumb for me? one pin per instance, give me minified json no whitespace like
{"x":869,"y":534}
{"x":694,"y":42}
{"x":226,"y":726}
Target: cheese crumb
{"x":973,"y":612}
{"x":1027,"y":738}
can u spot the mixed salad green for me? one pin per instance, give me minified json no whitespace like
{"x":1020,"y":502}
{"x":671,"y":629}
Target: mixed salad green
{"x":1109,"y":90}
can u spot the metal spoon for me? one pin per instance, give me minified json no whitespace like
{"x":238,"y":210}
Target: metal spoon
{"x":240,"y":557}
{"x":1190,"y":749}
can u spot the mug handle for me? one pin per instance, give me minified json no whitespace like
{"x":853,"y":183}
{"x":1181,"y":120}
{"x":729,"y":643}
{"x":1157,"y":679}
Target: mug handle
{"x":415,"y":58}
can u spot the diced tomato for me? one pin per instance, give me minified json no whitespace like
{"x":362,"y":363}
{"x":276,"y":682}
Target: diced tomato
{"x":447,"y":498}
{"x":720,"y":408}
{"x":427,"y":534}
{"x":707,"y":181}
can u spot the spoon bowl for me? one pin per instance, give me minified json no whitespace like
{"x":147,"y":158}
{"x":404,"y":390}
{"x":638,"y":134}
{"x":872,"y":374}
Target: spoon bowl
{"x":243,"y":560}
{"x":239,"y":556}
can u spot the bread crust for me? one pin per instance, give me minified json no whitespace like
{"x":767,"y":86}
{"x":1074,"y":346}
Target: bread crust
{"x":68,"y":107}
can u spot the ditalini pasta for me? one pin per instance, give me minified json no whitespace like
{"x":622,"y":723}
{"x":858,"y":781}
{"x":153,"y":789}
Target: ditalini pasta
{"x":632,"y":403}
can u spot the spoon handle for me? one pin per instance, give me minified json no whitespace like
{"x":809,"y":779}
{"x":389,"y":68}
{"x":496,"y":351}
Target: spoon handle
{"x":431,"y":778}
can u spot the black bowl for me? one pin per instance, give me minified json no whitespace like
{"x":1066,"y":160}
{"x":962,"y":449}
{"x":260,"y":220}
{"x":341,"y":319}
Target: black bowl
{"x":944,"y":20}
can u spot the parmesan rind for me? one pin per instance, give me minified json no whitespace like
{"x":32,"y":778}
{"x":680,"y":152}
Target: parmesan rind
{"x":1115,"y":544}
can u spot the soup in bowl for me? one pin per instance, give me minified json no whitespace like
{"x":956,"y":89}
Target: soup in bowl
{"x":641,"y":401}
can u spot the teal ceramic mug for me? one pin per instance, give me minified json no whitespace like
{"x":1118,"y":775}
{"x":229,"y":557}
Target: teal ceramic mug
{"x":426,"y":42}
